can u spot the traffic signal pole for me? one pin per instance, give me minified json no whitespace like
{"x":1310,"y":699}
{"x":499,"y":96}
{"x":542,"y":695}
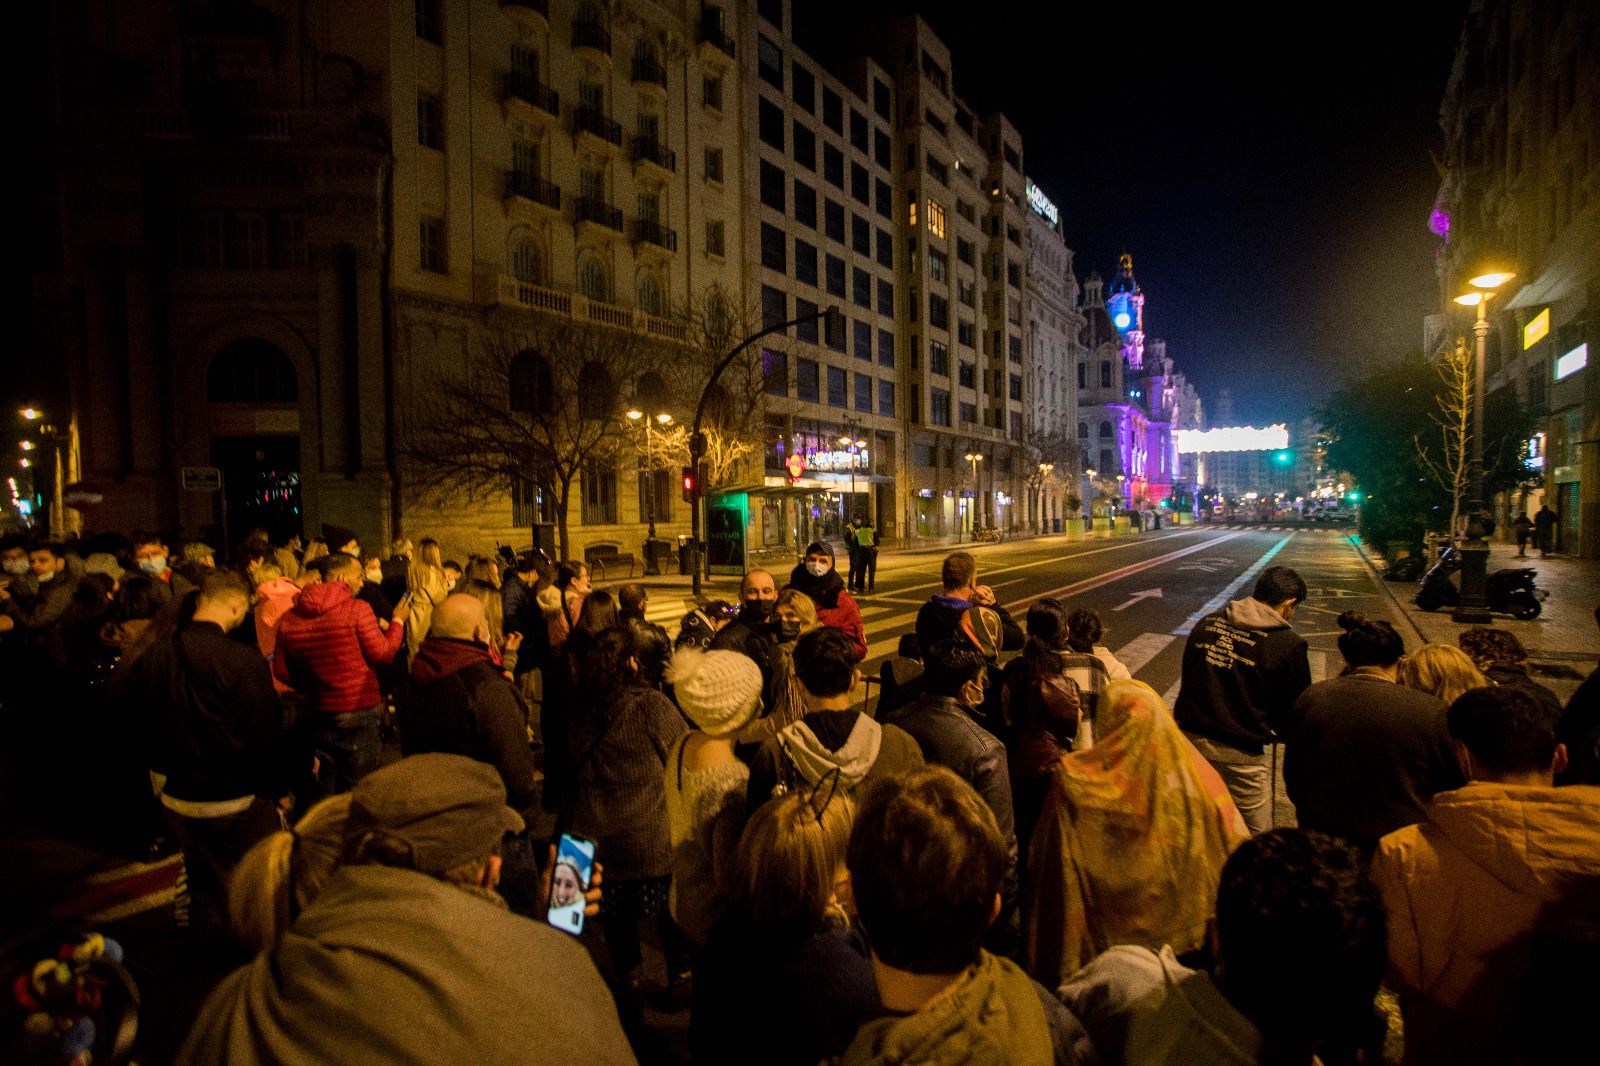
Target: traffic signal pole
{"x":833,"y":335}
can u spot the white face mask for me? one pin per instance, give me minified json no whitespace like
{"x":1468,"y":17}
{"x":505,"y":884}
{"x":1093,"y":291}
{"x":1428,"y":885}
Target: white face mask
{"x":17,"y":567}
{"x":817,"y":569}
{"x":48,"y":575}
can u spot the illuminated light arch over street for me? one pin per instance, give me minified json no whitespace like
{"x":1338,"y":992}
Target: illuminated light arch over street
{"x":1233,"y":439}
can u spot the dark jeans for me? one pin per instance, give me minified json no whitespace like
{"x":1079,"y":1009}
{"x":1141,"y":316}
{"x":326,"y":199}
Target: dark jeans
{"x":869,"y":569}
{"x":354,"y":741}
{"x":212,"y":847}
{"x":854,"y":577}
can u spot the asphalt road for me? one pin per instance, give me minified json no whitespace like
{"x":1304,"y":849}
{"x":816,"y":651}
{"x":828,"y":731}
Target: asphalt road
{"x":1149,"y":590}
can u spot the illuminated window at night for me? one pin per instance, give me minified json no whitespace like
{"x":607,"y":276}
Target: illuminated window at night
{"x":1572,"y":362}
{"x":911,"y":213}
{"x":936,"y":218}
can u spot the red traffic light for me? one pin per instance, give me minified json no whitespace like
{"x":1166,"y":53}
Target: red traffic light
{"x":690,"y":484}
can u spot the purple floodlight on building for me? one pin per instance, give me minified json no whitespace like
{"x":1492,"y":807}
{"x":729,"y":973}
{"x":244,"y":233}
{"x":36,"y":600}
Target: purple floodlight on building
{"x":1439,"y":222}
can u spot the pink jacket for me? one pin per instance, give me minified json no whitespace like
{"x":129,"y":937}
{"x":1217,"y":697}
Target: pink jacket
{"x":277,"y":597}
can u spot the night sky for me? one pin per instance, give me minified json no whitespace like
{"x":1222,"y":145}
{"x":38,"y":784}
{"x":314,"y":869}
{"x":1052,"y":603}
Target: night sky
{"x":1267,"y":167}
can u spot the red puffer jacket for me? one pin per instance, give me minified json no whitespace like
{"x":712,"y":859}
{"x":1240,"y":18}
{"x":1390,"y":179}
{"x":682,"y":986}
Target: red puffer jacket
{"x":328,"y":647}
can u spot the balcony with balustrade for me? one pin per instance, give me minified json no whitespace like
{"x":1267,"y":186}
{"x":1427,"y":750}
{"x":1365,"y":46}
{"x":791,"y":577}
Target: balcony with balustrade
{"x":593,"y":124}
{"x":593,"y":213}
{"x":650,"y":152}
{"x":654,"y":234}
{"x":527,"y":98}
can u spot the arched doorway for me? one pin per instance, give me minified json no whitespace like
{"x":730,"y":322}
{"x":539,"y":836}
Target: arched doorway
{"x":253,"y":397}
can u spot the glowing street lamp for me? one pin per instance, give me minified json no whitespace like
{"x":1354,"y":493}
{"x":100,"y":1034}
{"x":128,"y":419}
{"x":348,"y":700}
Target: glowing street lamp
{"x":662,"y":419}
{"x":26,"y":445}
{"x":32,"y":414}
{"x":1473,"y":607}
{"x":977,"y":488}
{"x":1045,"y":469}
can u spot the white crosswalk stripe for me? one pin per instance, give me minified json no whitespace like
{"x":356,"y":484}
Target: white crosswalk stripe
{"x":1141,"y":649}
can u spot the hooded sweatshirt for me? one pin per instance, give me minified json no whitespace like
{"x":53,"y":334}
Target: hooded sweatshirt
{"x":996,"y":1016}
{"x":397,"y":967}
{"x":329,"y":644}
{"x":1243,"y":669}
{"x":1463,"y":889}
{"x":806,"y":753}
{"x":836,"y":608}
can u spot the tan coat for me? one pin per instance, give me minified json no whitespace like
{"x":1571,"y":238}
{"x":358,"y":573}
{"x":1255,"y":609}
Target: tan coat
{"x":1463,"y":889}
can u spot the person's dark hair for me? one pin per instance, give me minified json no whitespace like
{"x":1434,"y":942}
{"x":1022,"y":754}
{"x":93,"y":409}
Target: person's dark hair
{"x":949,"y":665}
{"x":908,"y":648}
{"x":1086,"y":630}
{"x":1369,"y":643}
{"x":825,"y":662}
{"x":138,"y":597}
{"x":604,"y":661}
{"x":249,"y":554}
{"x":926,"y":860}
{"x":1048,"y":623}
{"x":335,"y":565}
{"x":630,"y":600}
{"x":599,"y":612}
{"x":220,"y":583}
{"x":94,"y":591}
{"x":1488,"y":645}
{"x":1278,"y":584}
{"x":451,"y":564}
{"x":140,"y":537}
{"x":1300,"y":939}
{"x":1505,"y":729}
{"x":958,"y":571}
{"x":54,"y":547}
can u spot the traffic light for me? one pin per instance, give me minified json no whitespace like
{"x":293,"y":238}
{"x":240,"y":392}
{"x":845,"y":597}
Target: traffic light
{"x":1281,"y":457}
{"x":1353,"y":497}
{"x":691,"y":484}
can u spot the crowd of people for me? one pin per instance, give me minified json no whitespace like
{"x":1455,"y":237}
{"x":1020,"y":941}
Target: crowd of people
{"x":1015,"y":853}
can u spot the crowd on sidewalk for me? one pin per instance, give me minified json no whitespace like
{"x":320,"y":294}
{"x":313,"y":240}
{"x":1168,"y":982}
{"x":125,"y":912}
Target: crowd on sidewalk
{"x":400,"y":784}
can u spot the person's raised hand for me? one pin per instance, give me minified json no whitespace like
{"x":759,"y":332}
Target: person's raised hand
{"x":513,"y":641}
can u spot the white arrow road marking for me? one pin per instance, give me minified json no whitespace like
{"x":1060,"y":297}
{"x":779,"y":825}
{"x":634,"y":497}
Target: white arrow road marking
{"x":1137,"y":596}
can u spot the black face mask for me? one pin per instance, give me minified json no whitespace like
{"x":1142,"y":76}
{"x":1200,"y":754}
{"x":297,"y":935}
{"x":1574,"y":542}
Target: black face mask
{"x":757,"y":610}
{"x":788,"y":629}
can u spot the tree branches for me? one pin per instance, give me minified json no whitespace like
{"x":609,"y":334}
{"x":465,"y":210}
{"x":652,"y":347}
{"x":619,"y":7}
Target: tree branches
{"x":1452,"y":418}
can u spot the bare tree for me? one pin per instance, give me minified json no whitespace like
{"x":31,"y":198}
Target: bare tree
{"x":1453,"y":420}
{"x":1052,"y":457}
{"x":537,"y":400}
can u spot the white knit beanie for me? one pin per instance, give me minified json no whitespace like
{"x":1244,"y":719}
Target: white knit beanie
{"x":720,"y":691}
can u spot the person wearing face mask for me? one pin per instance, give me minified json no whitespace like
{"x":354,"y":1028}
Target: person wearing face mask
{"x":941,"y":720}
{"x":35,"y":599}
{"x":818,"y":577}
{"x":757,"y":594}
{"x":772,"y":647}
{"x":212,"y":736}
{"x":150,"y":556}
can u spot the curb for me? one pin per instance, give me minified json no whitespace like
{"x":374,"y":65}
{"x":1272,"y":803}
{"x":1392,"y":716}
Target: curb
{"x":1377,"y":575}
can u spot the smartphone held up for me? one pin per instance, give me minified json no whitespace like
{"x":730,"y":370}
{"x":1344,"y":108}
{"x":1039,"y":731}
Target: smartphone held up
{"x":569,"y":881}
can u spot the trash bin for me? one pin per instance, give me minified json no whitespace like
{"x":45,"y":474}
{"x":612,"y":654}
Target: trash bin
{"x":685,"y":564}
{"x":657,"y":555}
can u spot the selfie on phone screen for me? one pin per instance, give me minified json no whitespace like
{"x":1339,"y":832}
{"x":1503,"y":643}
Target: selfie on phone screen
{"x":569,"y":881}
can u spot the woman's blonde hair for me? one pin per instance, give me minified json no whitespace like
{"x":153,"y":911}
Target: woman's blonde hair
{"x":283,"y":873}
{"x":801,"y":604}
{"x":1442,"y":669}
{"x":789,"y":859}
{"x":268,"y":572}
{"x":493,"y":607}
{"x":427,"y":560}
{"x":316,"y":548}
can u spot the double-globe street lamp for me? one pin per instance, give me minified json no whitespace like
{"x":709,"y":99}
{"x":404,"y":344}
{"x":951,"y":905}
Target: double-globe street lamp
{"x":1473,"y":606}
{"x":662,"y":419}
{"x":1045,"y":470}
{"x":974,"y":458}
{"x":855,"y":446}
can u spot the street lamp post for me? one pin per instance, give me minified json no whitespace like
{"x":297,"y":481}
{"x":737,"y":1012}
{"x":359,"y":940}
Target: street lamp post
{"x":662,"y":419}
{"x":1473,"y":606}
{"x":977,"y":488}
{"x":1121,"y":499}
{"x":1045,"y":470}
{"x":854,"y":446}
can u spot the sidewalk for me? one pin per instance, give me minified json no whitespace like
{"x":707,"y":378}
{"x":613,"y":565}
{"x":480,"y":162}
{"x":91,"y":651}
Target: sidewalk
{"x":1563,"y":642}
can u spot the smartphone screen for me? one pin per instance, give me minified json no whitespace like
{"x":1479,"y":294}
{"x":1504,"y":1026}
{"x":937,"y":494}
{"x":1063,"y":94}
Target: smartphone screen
{"x":569,"y":881}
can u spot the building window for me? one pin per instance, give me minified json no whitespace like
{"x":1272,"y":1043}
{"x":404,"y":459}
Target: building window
{"x":599,"y":493}
{"x":936,"y":218}
{"x":1016,"y":425}
{"x":937,"y":170}
{"x":967,"y":375}
{"x":861,"y":288}
{"x":1083,"y":381}
{"x":964,"y":251}
{"x":968,"y":413}
{"x":711,"y":92}
{"x":805,"y":313}
{"x":863,"y":393}
{"x":939,"y":358}
{"x":652,"y":297}
{"x":885,"y":249}
{"x":530,"y":503}
{"x":832,"y":110}
{"x":805,"y":146}
{"x":593,"y":280}
{"x":834,"y":274}
{"x":774,"y":248}
{"x":885,"y":199}
{"x":837,"y":384}
{"x":1105,"y":460}
{"x":655,"y":495}
{"x":833,"y":221}
{"x":886,"y":347}
{"x":805,"y":204}
{"x":859,"y":185}
{"x":1105,"y":430}
{"x":432,"y":245}
{"x":1105,"y":374}
{"x":967,"y":334}
{"x":938,"y":311}
{"x":805,"y":262}
{"x":938,"y":266}
{"x":714,"y":165}
{"x":769,"y":61}
{"x":886,"y":398}
{"x":428,"y":25}
{"x":802,"y":87}
{"x":288,"y":240}
{"x":714,"y":238}
{"x":774,"y":308}
{"x":527,"y":260}
{"x":772,"y":186}
{"x":885,"y":298}
{"x":882,"y":150}
{"x":770,"y":123}
{"x":805,"y":380}
{"x":863,"y":340}
{"x":430,"y":121}
{"x":1014,"y":352}
{"x":914,"y":403}
{"x":860,"y":235}
{"x":775,"y":372}
{"x":247,"y":241}
{"x":1016,"y":387}
{"x":772,"y":11}
{"x":833,"y":166}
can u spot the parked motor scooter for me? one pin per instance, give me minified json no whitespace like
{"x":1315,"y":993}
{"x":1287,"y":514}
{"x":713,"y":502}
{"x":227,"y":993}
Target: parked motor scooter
{"x":1510,"y":591}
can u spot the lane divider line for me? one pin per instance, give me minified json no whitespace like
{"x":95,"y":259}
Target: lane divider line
{"x":1238,"y":583}
{"x":1090,"y":583}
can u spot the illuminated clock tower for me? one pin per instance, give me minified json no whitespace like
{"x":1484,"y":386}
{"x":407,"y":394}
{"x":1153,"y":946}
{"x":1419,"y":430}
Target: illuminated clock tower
{"x":1126,"y":305}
